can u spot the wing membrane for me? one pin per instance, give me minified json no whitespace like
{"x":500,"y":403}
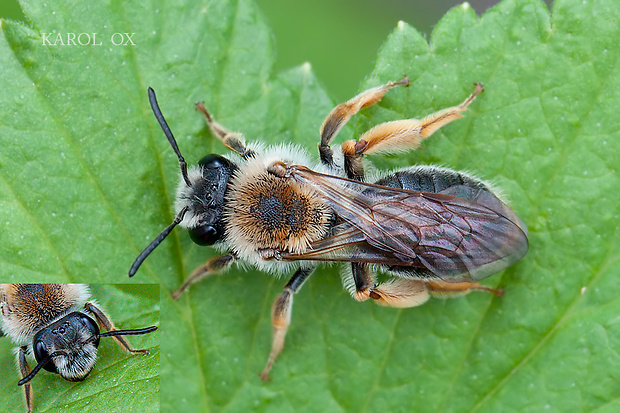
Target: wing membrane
{"x":461,"y":234}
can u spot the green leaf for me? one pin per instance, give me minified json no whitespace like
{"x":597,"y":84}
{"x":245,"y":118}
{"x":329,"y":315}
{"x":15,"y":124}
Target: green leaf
{"x":118,"y":379}
{"x":87,"y":179}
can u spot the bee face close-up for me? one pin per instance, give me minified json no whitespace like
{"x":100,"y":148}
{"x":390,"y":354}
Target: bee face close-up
{"x":73,"y":340}
{"x":59,"y":326}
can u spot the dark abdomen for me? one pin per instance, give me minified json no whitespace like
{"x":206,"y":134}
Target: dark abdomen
{"x":425,"y":178}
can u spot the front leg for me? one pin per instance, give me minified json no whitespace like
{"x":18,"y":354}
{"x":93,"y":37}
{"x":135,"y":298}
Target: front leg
{"x":211,"y":267}
{"x":105,"y":321}
{"x":281,"y":314}
{"x":232,"y":140}
{"x":24,"y":370}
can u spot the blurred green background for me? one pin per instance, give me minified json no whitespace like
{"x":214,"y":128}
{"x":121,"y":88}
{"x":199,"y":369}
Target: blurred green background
{"x":339,"y":38}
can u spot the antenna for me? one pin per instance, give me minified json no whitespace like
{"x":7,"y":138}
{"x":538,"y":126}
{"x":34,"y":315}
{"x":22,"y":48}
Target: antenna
{"x":164,"y":125}
{"x":128,"y":332}
{"x":138,"y":262}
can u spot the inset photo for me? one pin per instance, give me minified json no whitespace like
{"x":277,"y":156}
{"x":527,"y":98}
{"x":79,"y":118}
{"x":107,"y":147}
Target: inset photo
{"x":82,"y":347}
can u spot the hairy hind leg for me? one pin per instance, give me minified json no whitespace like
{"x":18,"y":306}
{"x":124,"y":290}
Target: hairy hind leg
{"x":399,"y":135}
{"x":404,"y":292}
{"x":395,"y":292}
{"x":442,"y":289}
{"x":340,"y":115}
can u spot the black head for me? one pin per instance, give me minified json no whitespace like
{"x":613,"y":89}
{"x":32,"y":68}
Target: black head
{"x":201,"y":198}
{"x":205,"y":199}
{"x":69,"y":346}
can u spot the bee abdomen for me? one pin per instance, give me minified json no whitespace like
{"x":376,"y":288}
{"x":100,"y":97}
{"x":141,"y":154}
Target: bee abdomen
{"x":426,"y":178}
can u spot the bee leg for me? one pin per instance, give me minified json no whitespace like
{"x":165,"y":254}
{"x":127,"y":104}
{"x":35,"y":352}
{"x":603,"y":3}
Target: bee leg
{"x":442,"y":289}
{"x":281,"y":315}
{"x":340,"y":115}
{"x":399,"y":135}
{"x":106,"y":323}
{"x":24,"y":369}
{"x":361,"y":281}
{"x":211,"y":267}
{"x":232,"y":140}
{"x":400,"y":293}
{"x":397,"y":292}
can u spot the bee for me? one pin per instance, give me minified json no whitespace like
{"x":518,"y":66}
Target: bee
{"x":58,"y":325}
{"x":432,"y":231}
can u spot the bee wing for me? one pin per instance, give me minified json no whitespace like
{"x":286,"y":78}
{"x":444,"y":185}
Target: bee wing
{"x":460,"y":234}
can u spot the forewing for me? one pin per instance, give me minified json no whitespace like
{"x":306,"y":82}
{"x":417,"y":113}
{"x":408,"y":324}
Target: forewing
{"x":461,"y":234}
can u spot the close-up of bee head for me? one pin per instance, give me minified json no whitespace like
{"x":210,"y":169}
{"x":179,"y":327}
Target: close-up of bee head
{"x":58,"y":325}
{"x":67,"y":347}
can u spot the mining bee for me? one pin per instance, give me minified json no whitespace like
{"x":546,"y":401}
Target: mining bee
{"x":433,"y":231}
{"x":58,"y":324}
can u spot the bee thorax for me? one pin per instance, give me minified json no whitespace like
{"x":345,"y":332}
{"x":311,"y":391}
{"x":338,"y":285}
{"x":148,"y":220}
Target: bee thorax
{"x":266,"y":212}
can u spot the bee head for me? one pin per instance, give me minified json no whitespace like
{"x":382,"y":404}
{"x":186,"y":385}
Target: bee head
{"x":200,"y":195}
{"x":68,"y":346}
{"x":204,"y":198}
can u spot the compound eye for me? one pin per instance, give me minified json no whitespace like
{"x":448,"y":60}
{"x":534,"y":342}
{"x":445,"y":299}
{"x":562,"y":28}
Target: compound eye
{"x":92,"y":327}
{"x":40,"y":354}
{"x":204,"y":235}
{"x":214,"y":161}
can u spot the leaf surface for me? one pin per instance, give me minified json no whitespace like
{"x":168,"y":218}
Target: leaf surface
{"x":87,"y":179}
